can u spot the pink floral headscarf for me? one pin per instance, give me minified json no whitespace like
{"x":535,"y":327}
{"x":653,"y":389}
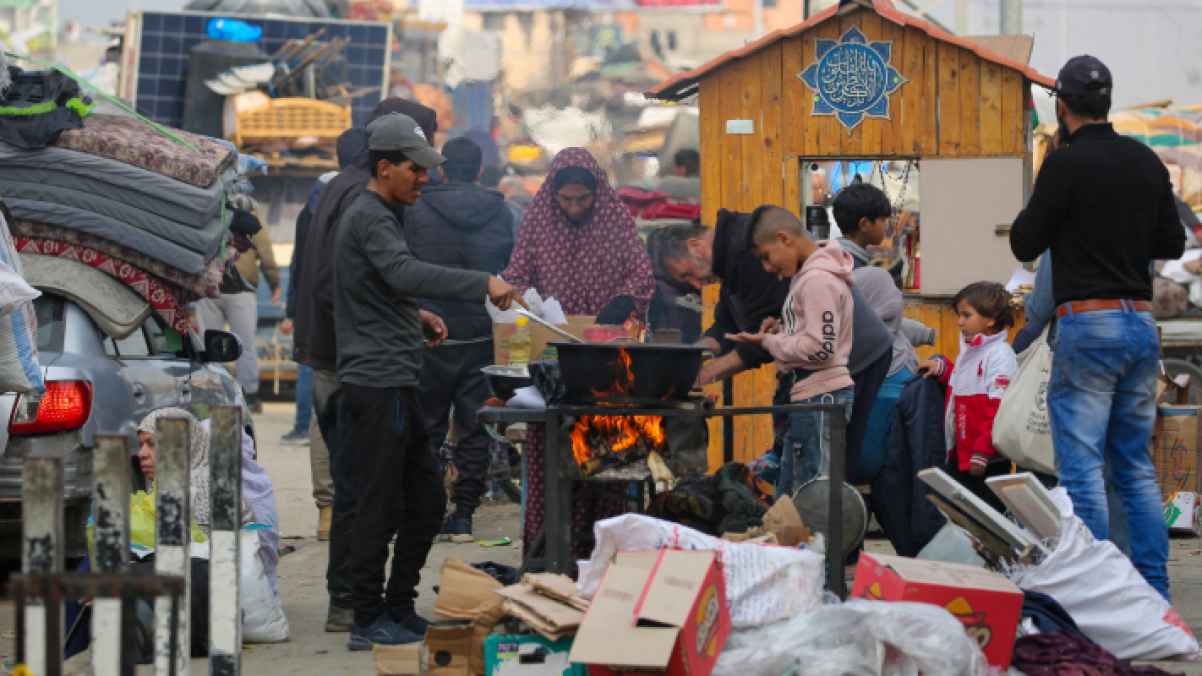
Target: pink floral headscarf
{"x":583,"y":266}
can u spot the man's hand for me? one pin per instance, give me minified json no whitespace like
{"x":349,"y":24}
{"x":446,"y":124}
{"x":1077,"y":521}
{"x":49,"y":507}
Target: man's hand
{"x":277,"y":295}
{"x":978,"y":464}
{"x":721,"y":368}
{"x":503,"y":294}
{"x":285,"y":327}
{"x":770,"y":325}
{"x":434,"y":328}
{"x":756,"y":339}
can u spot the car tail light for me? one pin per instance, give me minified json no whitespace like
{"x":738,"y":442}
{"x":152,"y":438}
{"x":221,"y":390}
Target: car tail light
{"x":65,"y":406}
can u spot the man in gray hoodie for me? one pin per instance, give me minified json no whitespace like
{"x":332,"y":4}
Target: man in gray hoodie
{"x":379,"y":328}
{"x":461,"y":225}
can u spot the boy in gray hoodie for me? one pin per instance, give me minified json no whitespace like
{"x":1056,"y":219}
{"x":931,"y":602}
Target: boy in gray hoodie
{"x":812,"y":339}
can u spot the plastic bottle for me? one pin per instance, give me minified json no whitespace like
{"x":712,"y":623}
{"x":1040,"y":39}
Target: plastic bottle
{"x":520,"y":343}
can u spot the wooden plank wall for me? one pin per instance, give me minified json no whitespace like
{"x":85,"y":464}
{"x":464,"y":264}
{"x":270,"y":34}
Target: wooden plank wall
{"x":939,"y":315}
{"x":953,"y":104}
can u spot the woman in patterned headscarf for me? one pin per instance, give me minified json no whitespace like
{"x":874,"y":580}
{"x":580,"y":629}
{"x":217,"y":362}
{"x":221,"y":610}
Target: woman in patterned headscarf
{"x":198,"y":446}
{"x":578,"y":244}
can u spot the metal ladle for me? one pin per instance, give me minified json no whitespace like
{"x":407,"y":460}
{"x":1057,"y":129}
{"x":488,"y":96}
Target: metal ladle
{"x":546,"y":324}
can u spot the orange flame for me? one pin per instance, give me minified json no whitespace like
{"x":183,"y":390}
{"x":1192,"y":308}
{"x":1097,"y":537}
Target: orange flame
{"x":621,"y":432}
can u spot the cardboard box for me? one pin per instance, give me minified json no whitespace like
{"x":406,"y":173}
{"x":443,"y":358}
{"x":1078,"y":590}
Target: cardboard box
{"x":448,"y":650}
{"x":398,"y":660}
{"x":539,"y":336}
{"x":988,"y":604}
{"x":1181,"y":513}
{"x":463,"y":591}
{"x":529,"y":655}
{"x":1175,"y":448}
{"x":671,"y":617}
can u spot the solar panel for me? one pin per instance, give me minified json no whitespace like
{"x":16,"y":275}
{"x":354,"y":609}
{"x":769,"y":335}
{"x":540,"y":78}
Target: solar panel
{"x":167,"y":38}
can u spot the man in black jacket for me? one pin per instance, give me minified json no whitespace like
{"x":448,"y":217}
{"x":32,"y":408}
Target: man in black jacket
{"x":460,"y":224}
{"x":314,"y":343}
{"x":698,"y":255}
{"x":1103,"y":206}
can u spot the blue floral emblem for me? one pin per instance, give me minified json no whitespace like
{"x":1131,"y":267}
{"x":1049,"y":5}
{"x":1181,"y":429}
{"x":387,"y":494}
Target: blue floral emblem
{"x":852,"y":78}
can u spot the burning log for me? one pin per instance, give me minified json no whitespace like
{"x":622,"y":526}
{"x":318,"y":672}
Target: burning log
{"x":602,"y":441}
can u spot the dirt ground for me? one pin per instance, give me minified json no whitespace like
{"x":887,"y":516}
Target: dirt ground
{"x":312,"y":652}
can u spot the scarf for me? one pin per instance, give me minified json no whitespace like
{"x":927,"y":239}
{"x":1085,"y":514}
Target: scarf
{"x":198,"y":451}
{"x":583,"y":266}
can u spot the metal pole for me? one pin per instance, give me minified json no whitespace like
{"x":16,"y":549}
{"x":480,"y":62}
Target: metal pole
{"x":556,"y":525}
{"x":805,"y":10}
{"x":837,"y":428}
{"x":111,"y":491}
{"x":962,"y":17}
{"x":173,"y":521}
{"x":225,"y":619}
{"x":728,"y":422}
{"x":42,"y":553}
{"x":1011,"y":17}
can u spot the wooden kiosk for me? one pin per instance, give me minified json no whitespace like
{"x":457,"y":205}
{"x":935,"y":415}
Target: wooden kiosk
{"x":865,"y":81}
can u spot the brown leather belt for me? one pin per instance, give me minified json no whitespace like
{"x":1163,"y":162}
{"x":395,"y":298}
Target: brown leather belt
{"x":1079,"y":306}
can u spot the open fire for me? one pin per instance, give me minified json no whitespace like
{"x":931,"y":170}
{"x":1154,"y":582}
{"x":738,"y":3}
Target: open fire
{"x":600,"y":441}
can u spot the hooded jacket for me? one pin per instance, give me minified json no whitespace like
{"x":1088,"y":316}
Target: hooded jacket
{"x":976,"y":383}
{"x":750,"y":294}
{"x":817,"y":317}
{"x":465,"y":226}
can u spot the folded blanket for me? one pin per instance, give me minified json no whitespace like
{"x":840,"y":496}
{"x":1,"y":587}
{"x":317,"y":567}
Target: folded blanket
{"x":135,"y":142}
{"x":145,"y":190}
{"x":105,"y":227}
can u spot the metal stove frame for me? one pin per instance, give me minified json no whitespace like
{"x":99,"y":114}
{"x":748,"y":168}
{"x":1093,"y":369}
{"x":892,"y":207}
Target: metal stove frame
{"x":561,"y":470}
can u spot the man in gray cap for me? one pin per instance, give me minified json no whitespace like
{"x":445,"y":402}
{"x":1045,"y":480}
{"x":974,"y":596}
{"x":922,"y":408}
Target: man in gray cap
{"x":1103,"y":206}
{"x":379,"y":328}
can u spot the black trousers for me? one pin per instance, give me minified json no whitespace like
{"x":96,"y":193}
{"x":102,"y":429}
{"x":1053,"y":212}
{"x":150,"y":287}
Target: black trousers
{"x":451,"y":377}
{"x":327,"y":395}
{"x":398,"y":491}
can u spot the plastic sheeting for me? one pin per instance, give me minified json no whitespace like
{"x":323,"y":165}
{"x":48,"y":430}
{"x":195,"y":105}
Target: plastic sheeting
{"x":877,"y":638}
{"x":310,"y":8}
{"x":763,"y":584}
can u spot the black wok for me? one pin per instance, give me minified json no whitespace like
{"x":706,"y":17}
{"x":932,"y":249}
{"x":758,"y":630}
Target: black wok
{"x":597,"y":372}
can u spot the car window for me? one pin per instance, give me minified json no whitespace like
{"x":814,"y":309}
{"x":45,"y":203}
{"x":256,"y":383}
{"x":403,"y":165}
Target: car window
{"x":50,"y":311}
{"x":132,"y":346}
{"x":164,"y":340}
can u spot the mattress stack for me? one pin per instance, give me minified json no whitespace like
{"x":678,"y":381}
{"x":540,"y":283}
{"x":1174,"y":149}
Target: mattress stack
{"x":145,"y":204}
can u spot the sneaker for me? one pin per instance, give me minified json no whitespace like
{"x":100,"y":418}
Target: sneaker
{"x":457,"y":528}
{"x":408,"y":618}
{"x":295,"y":438}
{"x":339,"y":620}
{"x":383,"y":631}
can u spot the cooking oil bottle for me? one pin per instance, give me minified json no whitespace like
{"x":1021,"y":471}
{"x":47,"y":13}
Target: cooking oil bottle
{"x":520,"y":342}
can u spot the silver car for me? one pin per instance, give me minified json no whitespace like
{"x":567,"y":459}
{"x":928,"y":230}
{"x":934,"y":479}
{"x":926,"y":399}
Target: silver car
{"x":108,"y":360}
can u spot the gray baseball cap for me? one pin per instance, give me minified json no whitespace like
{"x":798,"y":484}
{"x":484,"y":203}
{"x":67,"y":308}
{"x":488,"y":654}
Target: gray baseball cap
{"x":395,"y":131}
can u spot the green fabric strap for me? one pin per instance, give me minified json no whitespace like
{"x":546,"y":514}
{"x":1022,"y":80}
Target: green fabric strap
{"x":92,"y":89}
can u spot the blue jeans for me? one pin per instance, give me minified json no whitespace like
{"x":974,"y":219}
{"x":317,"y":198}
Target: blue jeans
{"x":807,"y":447}
{"x":304,"y":399}
{"x":1102,"y":401}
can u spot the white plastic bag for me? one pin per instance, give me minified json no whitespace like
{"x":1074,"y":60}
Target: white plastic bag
{"x":1022,"y":429}
{"x":857,"y":637}
{"x":20,"y":370}
{"x":764,"y":584}
{"x":263,"y":619}
{"x":1107,"y":598}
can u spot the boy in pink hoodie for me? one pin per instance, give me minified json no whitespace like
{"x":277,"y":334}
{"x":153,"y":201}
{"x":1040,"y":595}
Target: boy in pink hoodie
{"x":811,"y":341}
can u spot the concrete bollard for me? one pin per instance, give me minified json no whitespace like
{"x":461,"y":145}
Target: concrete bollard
{"x":225,"y":616}
{"x":173,"y":535}
{"x":42,"y":553}
{"x":111,"y":491}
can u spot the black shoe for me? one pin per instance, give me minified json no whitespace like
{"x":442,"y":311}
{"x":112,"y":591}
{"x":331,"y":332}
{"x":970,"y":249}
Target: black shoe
{"x":457,"y":528}
{"x":408,"y":618}
{"x":383,"y":631}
